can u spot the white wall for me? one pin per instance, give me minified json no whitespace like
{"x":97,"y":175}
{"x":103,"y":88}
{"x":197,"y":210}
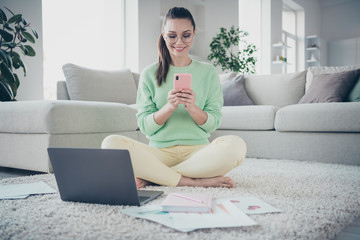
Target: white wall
{"x":341,"y":21}
{"x":132,"y":35}
{"x":149,"y":32}
{"x":276,"y":32}
{"x":341,"y":32}
{"x":312,"y":16}
{"x":209,"y":16}
{"x":263,"y":20}
{"x":218,"y":14}
{"x":31,"y":86}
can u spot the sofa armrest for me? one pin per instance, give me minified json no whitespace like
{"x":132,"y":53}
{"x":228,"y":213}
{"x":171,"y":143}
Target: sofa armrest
{"x":62,"y":93}
{"x":67,"y":117}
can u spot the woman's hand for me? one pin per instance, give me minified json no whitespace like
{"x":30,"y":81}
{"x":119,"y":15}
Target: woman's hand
{"x":172,"y":99}
{"x":161,"y":116}
{"x":186,"y":97}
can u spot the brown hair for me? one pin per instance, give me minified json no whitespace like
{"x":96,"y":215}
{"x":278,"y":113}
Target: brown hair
{"x":164,"y":55}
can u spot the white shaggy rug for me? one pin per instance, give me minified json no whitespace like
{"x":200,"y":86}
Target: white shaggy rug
{"x":317,"y":200}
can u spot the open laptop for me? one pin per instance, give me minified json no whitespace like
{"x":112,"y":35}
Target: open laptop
{"x":97,"y":176}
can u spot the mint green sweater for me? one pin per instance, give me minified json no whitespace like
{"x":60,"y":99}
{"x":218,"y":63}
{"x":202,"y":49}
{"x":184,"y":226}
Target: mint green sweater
{"x":180,"y":128}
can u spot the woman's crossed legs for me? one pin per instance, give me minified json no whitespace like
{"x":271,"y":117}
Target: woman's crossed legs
{"x":200,"y":165}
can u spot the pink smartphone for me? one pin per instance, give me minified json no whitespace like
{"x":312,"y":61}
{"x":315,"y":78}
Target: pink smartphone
{"x":182,"y":80}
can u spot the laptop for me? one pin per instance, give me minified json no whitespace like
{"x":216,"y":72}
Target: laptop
{"x":103,"y":176}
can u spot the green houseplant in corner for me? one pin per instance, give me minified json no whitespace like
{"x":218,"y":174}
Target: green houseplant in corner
{"x":14,"y":34}
{"x":230,"y":51}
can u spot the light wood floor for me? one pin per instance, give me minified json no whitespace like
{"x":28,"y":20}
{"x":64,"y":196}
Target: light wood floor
{"x":352,"y":232}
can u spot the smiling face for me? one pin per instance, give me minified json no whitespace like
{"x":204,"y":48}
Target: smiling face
{"x":178,"y":35}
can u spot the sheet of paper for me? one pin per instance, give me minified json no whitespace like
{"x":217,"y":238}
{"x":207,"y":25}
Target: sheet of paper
{"x":252,"y":205}
{"x":154,"y":213}
{"x":224,"y":214}
{"x":16,"y":197}
{"x":13,"y":191}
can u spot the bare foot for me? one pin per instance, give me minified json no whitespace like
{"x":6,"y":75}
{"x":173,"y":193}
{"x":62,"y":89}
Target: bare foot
{"x":207,"y":182}
{"x":141,"y":183}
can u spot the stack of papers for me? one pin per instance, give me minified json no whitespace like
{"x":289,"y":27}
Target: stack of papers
{"x":16,"y":191}
{"x":227,"y":212}
{"x":224,"y":214}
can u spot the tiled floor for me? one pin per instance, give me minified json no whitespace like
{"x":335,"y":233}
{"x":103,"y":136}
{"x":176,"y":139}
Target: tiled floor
{"x":352,"y":232}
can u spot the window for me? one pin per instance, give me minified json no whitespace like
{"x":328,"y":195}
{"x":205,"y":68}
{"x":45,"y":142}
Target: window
{"x":88,"y":33}
{"x":289,"y":37}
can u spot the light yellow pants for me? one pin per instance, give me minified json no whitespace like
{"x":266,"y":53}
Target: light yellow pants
{"x":166,"y":166}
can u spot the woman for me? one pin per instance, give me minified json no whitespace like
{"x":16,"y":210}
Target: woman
{"x":178,"y":122}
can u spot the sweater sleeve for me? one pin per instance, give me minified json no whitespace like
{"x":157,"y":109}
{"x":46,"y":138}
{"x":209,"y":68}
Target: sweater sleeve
{"x":146,"y":108}
{"x":213,"y":105}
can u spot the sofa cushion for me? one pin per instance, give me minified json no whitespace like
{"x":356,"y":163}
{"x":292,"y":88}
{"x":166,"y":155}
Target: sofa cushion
{"x":276,"y":89}
{"x":321,"y":117}
{"x":331,"y":87}
{"x":313,"y":71}
{"x":224,"y":77}
{"x":234,"y":92}
{"x":61,"y":117}
{"x":248,"y":117}
{"x":354,"y":95}
{"x":87,"y":84}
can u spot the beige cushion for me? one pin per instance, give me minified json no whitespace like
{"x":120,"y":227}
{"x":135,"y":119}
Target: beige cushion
{"x":86,"y":84}
{"x":248,"y":117}
{"x":59,"y":117}
{"x":276,"y":89}
{"x":313,"y":71}
{"x":320,"y":117}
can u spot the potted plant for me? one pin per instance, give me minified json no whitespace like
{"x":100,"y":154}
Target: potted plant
{"x":14,"y":34}
{"x":230,"y":51}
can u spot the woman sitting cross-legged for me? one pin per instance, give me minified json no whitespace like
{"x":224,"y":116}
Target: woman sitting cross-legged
{"x":178,"y":122}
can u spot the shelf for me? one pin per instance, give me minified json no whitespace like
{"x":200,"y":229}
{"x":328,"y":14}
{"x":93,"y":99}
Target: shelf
{"x":280,"y":45}
{"x":281,"y":62}
{"x":312,"y":36}
{"x":313,"y":51}
{"x":312,"y":48}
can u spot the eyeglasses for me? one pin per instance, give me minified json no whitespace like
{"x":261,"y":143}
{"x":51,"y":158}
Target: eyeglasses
{"x":185,"y":38}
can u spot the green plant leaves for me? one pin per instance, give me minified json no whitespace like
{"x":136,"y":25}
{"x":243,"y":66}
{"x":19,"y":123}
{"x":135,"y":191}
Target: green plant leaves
{"x":5,"y":57}
{"x":28,"y":37}
{"x":30,"y":51}
{"x":231,"y":52}
{"x":34,"y":32}
{"x":6,"y":36}
{"x":3,"y":17}
{"x":15,"y":18}
{"x":5,"y":92}
{"x":14,"y":33}
{"x":6,"y":73}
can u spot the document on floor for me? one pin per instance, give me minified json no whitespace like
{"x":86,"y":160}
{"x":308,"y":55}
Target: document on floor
{"x":154,"y":213}
{"x":251,"y":205}
{"x":224,"y":214}
{"x":17,"y":191}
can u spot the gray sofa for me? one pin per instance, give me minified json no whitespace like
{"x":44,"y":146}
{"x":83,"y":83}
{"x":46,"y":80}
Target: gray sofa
{"x":275,"y":127}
